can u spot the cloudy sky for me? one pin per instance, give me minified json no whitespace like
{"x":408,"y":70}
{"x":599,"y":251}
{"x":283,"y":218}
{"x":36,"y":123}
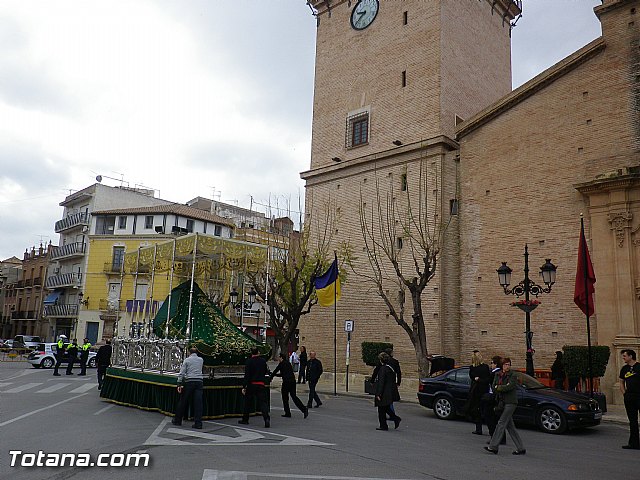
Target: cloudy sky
{"x":188,"y":97}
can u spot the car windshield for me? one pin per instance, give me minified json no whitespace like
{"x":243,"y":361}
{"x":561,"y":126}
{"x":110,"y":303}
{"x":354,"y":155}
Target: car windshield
{"x":528,"y":382}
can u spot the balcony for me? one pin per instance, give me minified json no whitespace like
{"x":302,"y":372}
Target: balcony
{"x":112,"y":268}
{"x":61,"y":310}
{"x":72,"y":221}
{"x":20,"y":284}
{"x":67,"y":251}
{"x":37,"y":282}
{"x":64,"y":280}
{"x":23,"y":315}
{"x":110,"y":305}
{"x":28,"y":282}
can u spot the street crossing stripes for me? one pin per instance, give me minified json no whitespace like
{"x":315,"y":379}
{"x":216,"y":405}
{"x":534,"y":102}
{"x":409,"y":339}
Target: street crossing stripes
{"x":22,"y":388}
{"x":84,"y":388}
{"x":54,"y":387}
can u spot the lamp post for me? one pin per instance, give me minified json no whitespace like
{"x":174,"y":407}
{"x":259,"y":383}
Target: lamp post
{"x":233,"y":296}
{"x":527,"y":287}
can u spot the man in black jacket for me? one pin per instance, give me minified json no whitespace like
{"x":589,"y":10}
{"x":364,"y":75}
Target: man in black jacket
{"x":255,"y":371}
{"x":103,"y":360}
{"x":314,"y":371}
{"x":72,"y":352}
{"x":285,"y":370}
{"x":488,"y":401}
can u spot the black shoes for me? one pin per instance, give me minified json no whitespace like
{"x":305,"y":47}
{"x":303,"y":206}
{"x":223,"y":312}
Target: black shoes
{"x":519,"y":452}
{"x":56,"y":374}
{"x":69,"y":373}
{"x":396,"y":422}
{"x":286,"y":415}
{"x":177,"y":424}
{"x":491,"y":450}
{"x":82,"y":374}
{"x":267,"y":423}
{"x":243,"y":422}
{"x":318,"y":405}
{"x":384,"y":429}
{"x":306,"y":412}
{"x":197,"y":426}
{"x":475,"y":432}
{"x":630,"y":447}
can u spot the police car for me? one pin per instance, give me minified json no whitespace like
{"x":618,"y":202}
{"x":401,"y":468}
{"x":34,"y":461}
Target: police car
{"x":44,"y":356}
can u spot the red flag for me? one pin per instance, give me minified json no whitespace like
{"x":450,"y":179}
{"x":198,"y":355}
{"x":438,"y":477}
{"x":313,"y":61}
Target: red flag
{"x":585,"y":277}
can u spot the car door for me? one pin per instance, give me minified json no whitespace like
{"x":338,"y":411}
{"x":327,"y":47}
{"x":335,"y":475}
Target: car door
{"x":458,"y":384}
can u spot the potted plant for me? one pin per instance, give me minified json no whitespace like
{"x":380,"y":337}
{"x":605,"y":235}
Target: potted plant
{"x":576,"y":365}
{"x":370,"y":352}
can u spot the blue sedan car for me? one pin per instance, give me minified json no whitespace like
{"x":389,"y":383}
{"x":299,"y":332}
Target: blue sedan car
{"x":552,"y":411}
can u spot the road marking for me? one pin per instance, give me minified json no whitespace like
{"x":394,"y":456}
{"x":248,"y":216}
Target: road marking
{"x":105,"y":409}
{"x":5,"y":384}
{"x":226,"y":435}
{"x":22,"y":388}
{"x":53,"y":388}
{"x":84,"y":388}
{"x":235,"y":475}
{"x":40,"y":410}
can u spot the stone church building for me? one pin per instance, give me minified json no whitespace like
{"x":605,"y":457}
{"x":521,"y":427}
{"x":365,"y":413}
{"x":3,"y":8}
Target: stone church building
{"x":416,"y":96}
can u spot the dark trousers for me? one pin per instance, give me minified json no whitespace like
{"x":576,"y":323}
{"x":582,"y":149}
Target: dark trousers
{"x":191,"y":389}
{"x":70,"y":365}
{"x":260,"y":393}
{"x":487,"y":405}
{"x":58,"y":362}
{"x":101,"y":373}
{"x":289,"y":389}
{"x":632,"y":406}
{"x":302,"y":374}
{"x":83,"y":363}
{"x":312,"y":394}
{"x":383,"y":411}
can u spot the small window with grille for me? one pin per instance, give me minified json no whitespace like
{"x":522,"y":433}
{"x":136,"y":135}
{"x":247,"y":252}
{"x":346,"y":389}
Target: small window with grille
{"x":357,"y":130}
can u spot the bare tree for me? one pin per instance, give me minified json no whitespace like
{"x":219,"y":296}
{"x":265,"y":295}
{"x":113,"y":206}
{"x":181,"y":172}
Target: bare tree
{"x":403,"y":238}
{"x":286,"y":287}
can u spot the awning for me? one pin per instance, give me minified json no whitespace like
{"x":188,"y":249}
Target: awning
{"x":53,"y":297}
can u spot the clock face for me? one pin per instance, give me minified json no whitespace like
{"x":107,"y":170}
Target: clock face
{"x":364,"y":13}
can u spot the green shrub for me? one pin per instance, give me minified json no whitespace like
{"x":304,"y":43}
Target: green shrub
{"x":576,"y":360}
{"x":371,"y":350}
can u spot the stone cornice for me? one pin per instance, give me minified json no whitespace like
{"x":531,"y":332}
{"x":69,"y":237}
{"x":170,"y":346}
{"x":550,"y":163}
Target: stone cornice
{"x":534,"y":85}
{"x":440,"y":142}
{"x":612,"y":5}
{"x":620,"y":179}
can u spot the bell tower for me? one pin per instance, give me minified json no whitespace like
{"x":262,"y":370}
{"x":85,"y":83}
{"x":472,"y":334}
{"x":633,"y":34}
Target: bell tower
{"x":393,"y":78}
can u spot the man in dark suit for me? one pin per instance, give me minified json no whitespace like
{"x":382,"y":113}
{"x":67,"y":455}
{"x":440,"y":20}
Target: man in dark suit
{"x":488,"y":402}
{"x":72,"y":352}
{"x":314,"y":371}
{"x":103,"y":360}
{"x":285,"y":370}
{"x":255,"y":371}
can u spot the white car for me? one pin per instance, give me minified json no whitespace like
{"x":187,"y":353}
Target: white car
{"x":44,"y":356}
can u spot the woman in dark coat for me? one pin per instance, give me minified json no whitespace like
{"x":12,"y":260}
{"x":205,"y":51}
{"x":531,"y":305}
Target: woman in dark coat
{"x":480,"y":374}
{"x":302,"y":373}
{"x":386,"y":393}
{"x":557,"y":372}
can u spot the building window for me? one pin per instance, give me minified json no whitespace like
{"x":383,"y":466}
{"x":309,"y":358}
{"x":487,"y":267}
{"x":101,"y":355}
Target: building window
{"x":148,"y":222}
{"x":405,"y":18}
{"x":217,"y":231}
{"x":190,"y":226}
{"x":357,"y":130}
{"x":404,"y":78}
{"x":122,"y":222}
{"x":105,"y":225}
{"x":453,"y":206}
{"x":117,"y":259}
{"x":403,"y":182}
{"x":399,"y":243}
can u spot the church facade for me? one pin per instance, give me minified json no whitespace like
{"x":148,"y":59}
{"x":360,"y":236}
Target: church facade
{"x":409,"y":87}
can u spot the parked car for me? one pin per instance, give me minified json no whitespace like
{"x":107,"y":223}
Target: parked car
{"x":44,"y":356}
{"x":7,"y":345}
{"x":551,"y":410}
{"x":26,"y":341}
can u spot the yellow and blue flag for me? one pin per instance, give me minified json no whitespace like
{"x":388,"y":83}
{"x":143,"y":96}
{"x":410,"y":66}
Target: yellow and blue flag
{"x":328,"y":286}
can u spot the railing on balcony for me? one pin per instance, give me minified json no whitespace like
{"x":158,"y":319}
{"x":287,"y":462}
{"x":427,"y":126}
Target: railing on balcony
{"x":75,"y":220}
{"x":112,"y":268}
{"x":37,"y":282}
{"x":20,"y":284}
{"x":60,"y":310}
{"x":110,"y":305}
{"x":28,"y":282}
{"x":30,"y":314}
{"x":64,"y":280}
{"x":69,"y":250}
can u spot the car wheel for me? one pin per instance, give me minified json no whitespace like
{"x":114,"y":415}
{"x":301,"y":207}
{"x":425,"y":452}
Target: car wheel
{"x":443,"y":408}
{"x":47,"y":363}
{"x":92,"y":362}
{"x":552,"y":420}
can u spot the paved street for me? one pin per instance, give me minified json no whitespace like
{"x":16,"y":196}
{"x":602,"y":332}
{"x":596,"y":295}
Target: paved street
{"x":337,"y":441}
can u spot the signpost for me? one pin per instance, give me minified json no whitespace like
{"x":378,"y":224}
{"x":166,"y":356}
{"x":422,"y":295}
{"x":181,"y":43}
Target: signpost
{"x":348,"y":327}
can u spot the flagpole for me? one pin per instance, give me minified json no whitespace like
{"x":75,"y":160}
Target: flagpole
{"x":335,"y":330}
{"x":583,"y":238}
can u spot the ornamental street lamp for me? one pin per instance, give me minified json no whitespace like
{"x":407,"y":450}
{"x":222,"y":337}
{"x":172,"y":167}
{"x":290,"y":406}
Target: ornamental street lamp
{"x":527,"y":287}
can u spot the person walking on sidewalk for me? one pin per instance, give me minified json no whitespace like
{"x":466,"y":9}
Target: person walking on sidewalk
{"x":479,"y":373}
{"x":489,"y":400}
{"x":255,"y":371}
{"x":386,"y":393}
{"x":630,"y":388}
{"x":285,"y":370}
{"x":190,"y":384}
{"x":84,"y":356}
{"x":314,"y":372}
{"x":302,"y":373}
{"x":505,"y":385}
